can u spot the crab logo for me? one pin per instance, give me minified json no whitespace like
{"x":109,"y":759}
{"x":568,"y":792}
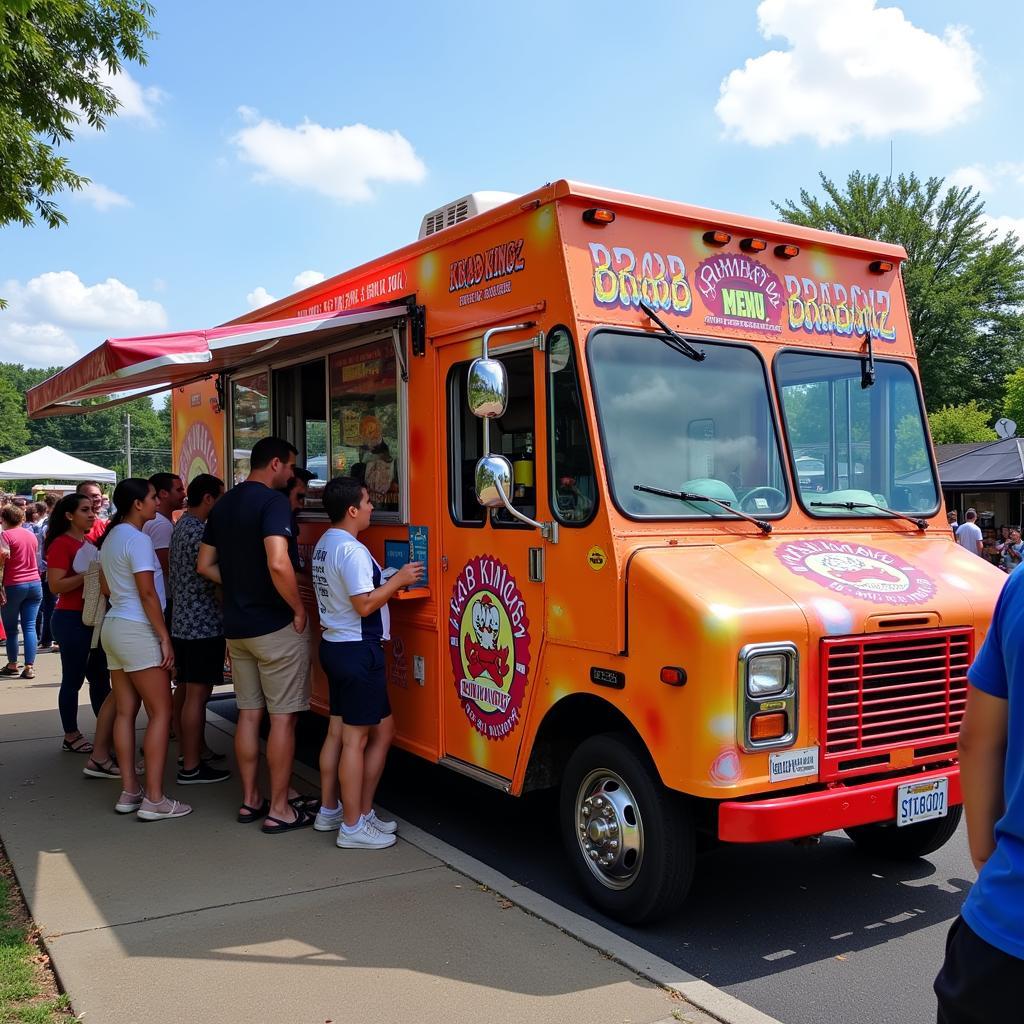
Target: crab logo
{"x":858,"y":570}
{"x":489,"y":642}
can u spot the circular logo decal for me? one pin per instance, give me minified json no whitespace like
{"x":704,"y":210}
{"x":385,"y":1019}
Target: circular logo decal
{"x":858,"y":570}
{"x":489,"y":643}
{"x":596,"y":558}
{"x":198,"y":453}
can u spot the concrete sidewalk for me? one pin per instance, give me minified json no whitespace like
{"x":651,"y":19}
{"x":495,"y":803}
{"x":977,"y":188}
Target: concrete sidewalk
{"x":204,"y":918}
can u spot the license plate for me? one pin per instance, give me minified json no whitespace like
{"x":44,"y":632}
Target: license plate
{"x":922,"y":801}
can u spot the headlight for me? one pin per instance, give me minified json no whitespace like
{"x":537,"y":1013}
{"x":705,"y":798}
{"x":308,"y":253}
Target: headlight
{"x":767,"y":675}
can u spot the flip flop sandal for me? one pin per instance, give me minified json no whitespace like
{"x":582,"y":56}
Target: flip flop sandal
{"x":10,"y":670}
{"x":248,"y":814}
{"x":305,"y":804}
{"x":302,"y":819}
{"x":80,"y":745}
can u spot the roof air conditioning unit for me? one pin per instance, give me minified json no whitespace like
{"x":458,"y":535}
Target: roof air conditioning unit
{"x":462,"y":209}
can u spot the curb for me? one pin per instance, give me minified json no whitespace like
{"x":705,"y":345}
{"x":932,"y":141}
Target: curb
{"x":702,"y":995}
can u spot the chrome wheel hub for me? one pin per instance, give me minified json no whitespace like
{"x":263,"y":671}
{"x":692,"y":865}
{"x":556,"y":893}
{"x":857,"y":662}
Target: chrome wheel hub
{"x":609,"y":828}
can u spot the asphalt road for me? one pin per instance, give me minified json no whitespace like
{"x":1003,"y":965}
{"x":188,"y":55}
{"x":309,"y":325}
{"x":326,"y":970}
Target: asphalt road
{"x":806,"y":934}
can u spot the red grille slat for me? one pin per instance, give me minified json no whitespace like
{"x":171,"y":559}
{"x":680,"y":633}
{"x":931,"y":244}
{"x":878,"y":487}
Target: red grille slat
{"x":886,"y":691}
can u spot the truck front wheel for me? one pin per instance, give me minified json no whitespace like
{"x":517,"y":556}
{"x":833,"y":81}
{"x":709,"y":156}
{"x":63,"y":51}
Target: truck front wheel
{"x":909,"y":842}
{"x":629,"y":839}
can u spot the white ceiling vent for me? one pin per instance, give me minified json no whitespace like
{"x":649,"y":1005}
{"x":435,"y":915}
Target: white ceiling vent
{"x":462,"y":209}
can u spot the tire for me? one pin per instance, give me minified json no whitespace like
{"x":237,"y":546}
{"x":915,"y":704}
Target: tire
{"x":909,"y":842}
{"x":645,"y":831}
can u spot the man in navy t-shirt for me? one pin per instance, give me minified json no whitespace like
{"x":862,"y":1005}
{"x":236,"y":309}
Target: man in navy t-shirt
{"x":245,"y":549}
{"x":982,"y":979}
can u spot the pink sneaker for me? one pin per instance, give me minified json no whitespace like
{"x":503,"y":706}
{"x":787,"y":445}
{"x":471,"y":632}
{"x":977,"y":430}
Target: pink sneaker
{"x":167,"y":808}
{"x":129,"y":803}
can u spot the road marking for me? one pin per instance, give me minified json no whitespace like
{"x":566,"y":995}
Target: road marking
{"x":782,"y":954}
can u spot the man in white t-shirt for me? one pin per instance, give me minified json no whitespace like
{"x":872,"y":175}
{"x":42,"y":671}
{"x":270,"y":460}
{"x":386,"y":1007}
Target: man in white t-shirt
{"x":170,"y":498}
{"x":969,"y":535}
{"x":352,"y":598}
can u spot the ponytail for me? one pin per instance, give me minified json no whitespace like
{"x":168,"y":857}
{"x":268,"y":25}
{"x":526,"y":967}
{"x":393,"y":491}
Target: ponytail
{"x":126,"y":493}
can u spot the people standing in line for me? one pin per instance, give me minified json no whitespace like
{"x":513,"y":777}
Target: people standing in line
{"x":295,"y":492}
{"x":92,"y":490}
{"x":170,"y":498}
{"x":21,"y":593}
{"x":354,"y":616}
{"x":197,"y":630}
{"x":39,"y":527}
{"x":70,"y":521}
{"x":982,"y":977}
{"x":1011,"y":551}
{"x":245,"y":549}
{"x":968,"y":535}
{"x":138,"y":647}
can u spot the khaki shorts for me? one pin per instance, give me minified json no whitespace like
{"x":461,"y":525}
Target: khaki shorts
{"x":130,"y":646}
{"x":271,"y":671}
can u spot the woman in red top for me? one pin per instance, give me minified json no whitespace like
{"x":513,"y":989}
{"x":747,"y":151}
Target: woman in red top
{"x":22,"y":593}
{"x":70,"y":521}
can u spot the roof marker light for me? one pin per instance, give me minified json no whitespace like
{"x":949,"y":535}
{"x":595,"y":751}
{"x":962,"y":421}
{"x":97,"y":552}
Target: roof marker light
{"x":598,"y":216}
{"x":880,"y":266}
{"x":787,"y":252}
{"x":717,"y":238}
{"x":753,"y":245}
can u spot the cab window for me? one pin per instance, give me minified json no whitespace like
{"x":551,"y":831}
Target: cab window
{"x":573,"y":486}
{"x":511,"y":436}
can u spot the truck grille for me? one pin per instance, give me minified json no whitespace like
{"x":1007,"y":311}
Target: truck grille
{"x":892,"y":691}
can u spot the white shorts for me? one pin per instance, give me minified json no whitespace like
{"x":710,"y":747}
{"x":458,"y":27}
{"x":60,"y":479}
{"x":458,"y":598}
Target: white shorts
{"x":130,"y":646}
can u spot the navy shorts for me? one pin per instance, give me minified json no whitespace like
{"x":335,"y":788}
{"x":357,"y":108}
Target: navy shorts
{"x":977,"y":982}
{"x":357,"y":680}
{"x":199,"y":661}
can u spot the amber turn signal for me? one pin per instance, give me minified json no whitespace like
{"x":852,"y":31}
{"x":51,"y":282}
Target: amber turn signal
{"x":880,"y":266}
{"x":672,"y":675}
{"x":787,"y":252}
{"x":753,"y":245}
{"x":768,"y":726}
{"x":717,"y":238}
{"x":596,"y":216}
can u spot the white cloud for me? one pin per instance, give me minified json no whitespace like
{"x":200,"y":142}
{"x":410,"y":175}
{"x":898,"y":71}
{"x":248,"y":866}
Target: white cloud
{"x":62,"y":298}
{"x":307,"y":278}
{"x":101,"y":197}
{"x":137,"y":101}
{"x":1004,"y":226}
{"x":975,"y":176}
{"x":342,"y":163}
{"x":38,"y":344}
{"x":852,"y":69}
{"x":259,"y":297}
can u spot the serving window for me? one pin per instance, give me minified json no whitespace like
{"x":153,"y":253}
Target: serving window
{"x":343,"y":411}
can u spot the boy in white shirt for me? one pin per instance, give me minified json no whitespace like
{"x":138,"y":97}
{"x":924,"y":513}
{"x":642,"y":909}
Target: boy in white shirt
{"x":355,"y":622}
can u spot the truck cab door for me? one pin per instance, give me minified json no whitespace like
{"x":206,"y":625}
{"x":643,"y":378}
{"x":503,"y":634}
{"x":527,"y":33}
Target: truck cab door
{"x":492,"y":568}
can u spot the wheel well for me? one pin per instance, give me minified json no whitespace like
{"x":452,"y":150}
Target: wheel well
{"x":565,"y":726}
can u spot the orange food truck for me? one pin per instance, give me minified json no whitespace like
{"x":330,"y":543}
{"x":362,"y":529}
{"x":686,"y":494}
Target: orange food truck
{"x":670,"y":473}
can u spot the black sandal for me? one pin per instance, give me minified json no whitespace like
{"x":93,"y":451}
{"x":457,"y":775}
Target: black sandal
{"x":302,"y":820}
{"x":306,"y":804}
{"x":79,"y":745}
{"x":247,"y":815}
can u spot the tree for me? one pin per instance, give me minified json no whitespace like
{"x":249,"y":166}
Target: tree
{"x":965,"y":287}
{"x":13,"y":431}
{"x":960,"y":424}
{"x":1013,"y":400}
{"x":51,"y":56}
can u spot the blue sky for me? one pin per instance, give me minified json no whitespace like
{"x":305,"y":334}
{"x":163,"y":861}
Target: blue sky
{"x":264,"y":141}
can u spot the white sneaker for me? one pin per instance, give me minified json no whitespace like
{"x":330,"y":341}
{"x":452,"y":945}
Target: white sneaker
{"x":385,"y":825}
{"x":129,"y":803}
{"x":328,"y":821}
{"x":167,"y":808}
{"x":369,"y":837}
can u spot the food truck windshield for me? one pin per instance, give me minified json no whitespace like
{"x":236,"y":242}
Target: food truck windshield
{"x":858,"y":446}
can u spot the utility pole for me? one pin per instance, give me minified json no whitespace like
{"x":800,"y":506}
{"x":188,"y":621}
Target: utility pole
{"x":127,"y":422}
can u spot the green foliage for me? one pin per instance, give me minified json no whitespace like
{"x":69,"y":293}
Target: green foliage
{"x":1013,"y":397}
{"x":96,"y":437}
{"x":13,"y":428}
{"x":960,"y":424}
{"x":965,"y":288}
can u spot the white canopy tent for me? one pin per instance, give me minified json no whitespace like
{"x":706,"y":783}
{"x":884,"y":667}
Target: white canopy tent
{"x":47,"y":465}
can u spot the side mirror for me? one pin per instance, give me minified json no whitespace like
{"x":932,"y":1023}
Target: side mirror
{"x":492,"y":471}
{"x":487,"y":388}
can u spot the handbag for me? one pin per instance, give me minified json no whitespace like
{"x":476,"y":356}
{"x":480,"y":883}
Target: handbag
{"x":94,"y":604}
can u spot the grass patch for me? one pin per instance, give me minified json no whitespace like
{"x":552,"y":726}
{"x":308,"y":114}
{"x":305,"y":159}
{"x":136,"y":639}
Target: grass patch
{"x":28,"y":988}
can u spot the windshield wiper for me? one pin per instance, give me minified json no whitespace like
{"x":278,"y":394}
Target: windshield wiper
{"x":676,"y":342}
{"x":761,"y":524}
{"x":850,"y":506}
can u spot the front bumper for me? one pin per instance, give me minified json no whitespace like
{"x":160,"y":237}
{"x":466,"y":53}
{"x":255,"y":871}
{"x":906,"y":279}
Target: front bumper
{"x":811,"y":813}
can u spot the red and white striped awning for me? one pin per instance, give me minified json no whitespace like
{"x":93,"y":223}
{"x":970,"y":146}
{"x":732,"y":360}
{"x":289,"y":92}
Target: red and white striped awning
{"x":157,"y":362}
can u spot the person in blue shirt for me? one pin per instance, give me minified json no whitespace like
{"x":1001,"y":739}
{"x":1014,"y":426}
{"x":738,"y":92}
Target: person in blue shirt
{"x":982,"y":978}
